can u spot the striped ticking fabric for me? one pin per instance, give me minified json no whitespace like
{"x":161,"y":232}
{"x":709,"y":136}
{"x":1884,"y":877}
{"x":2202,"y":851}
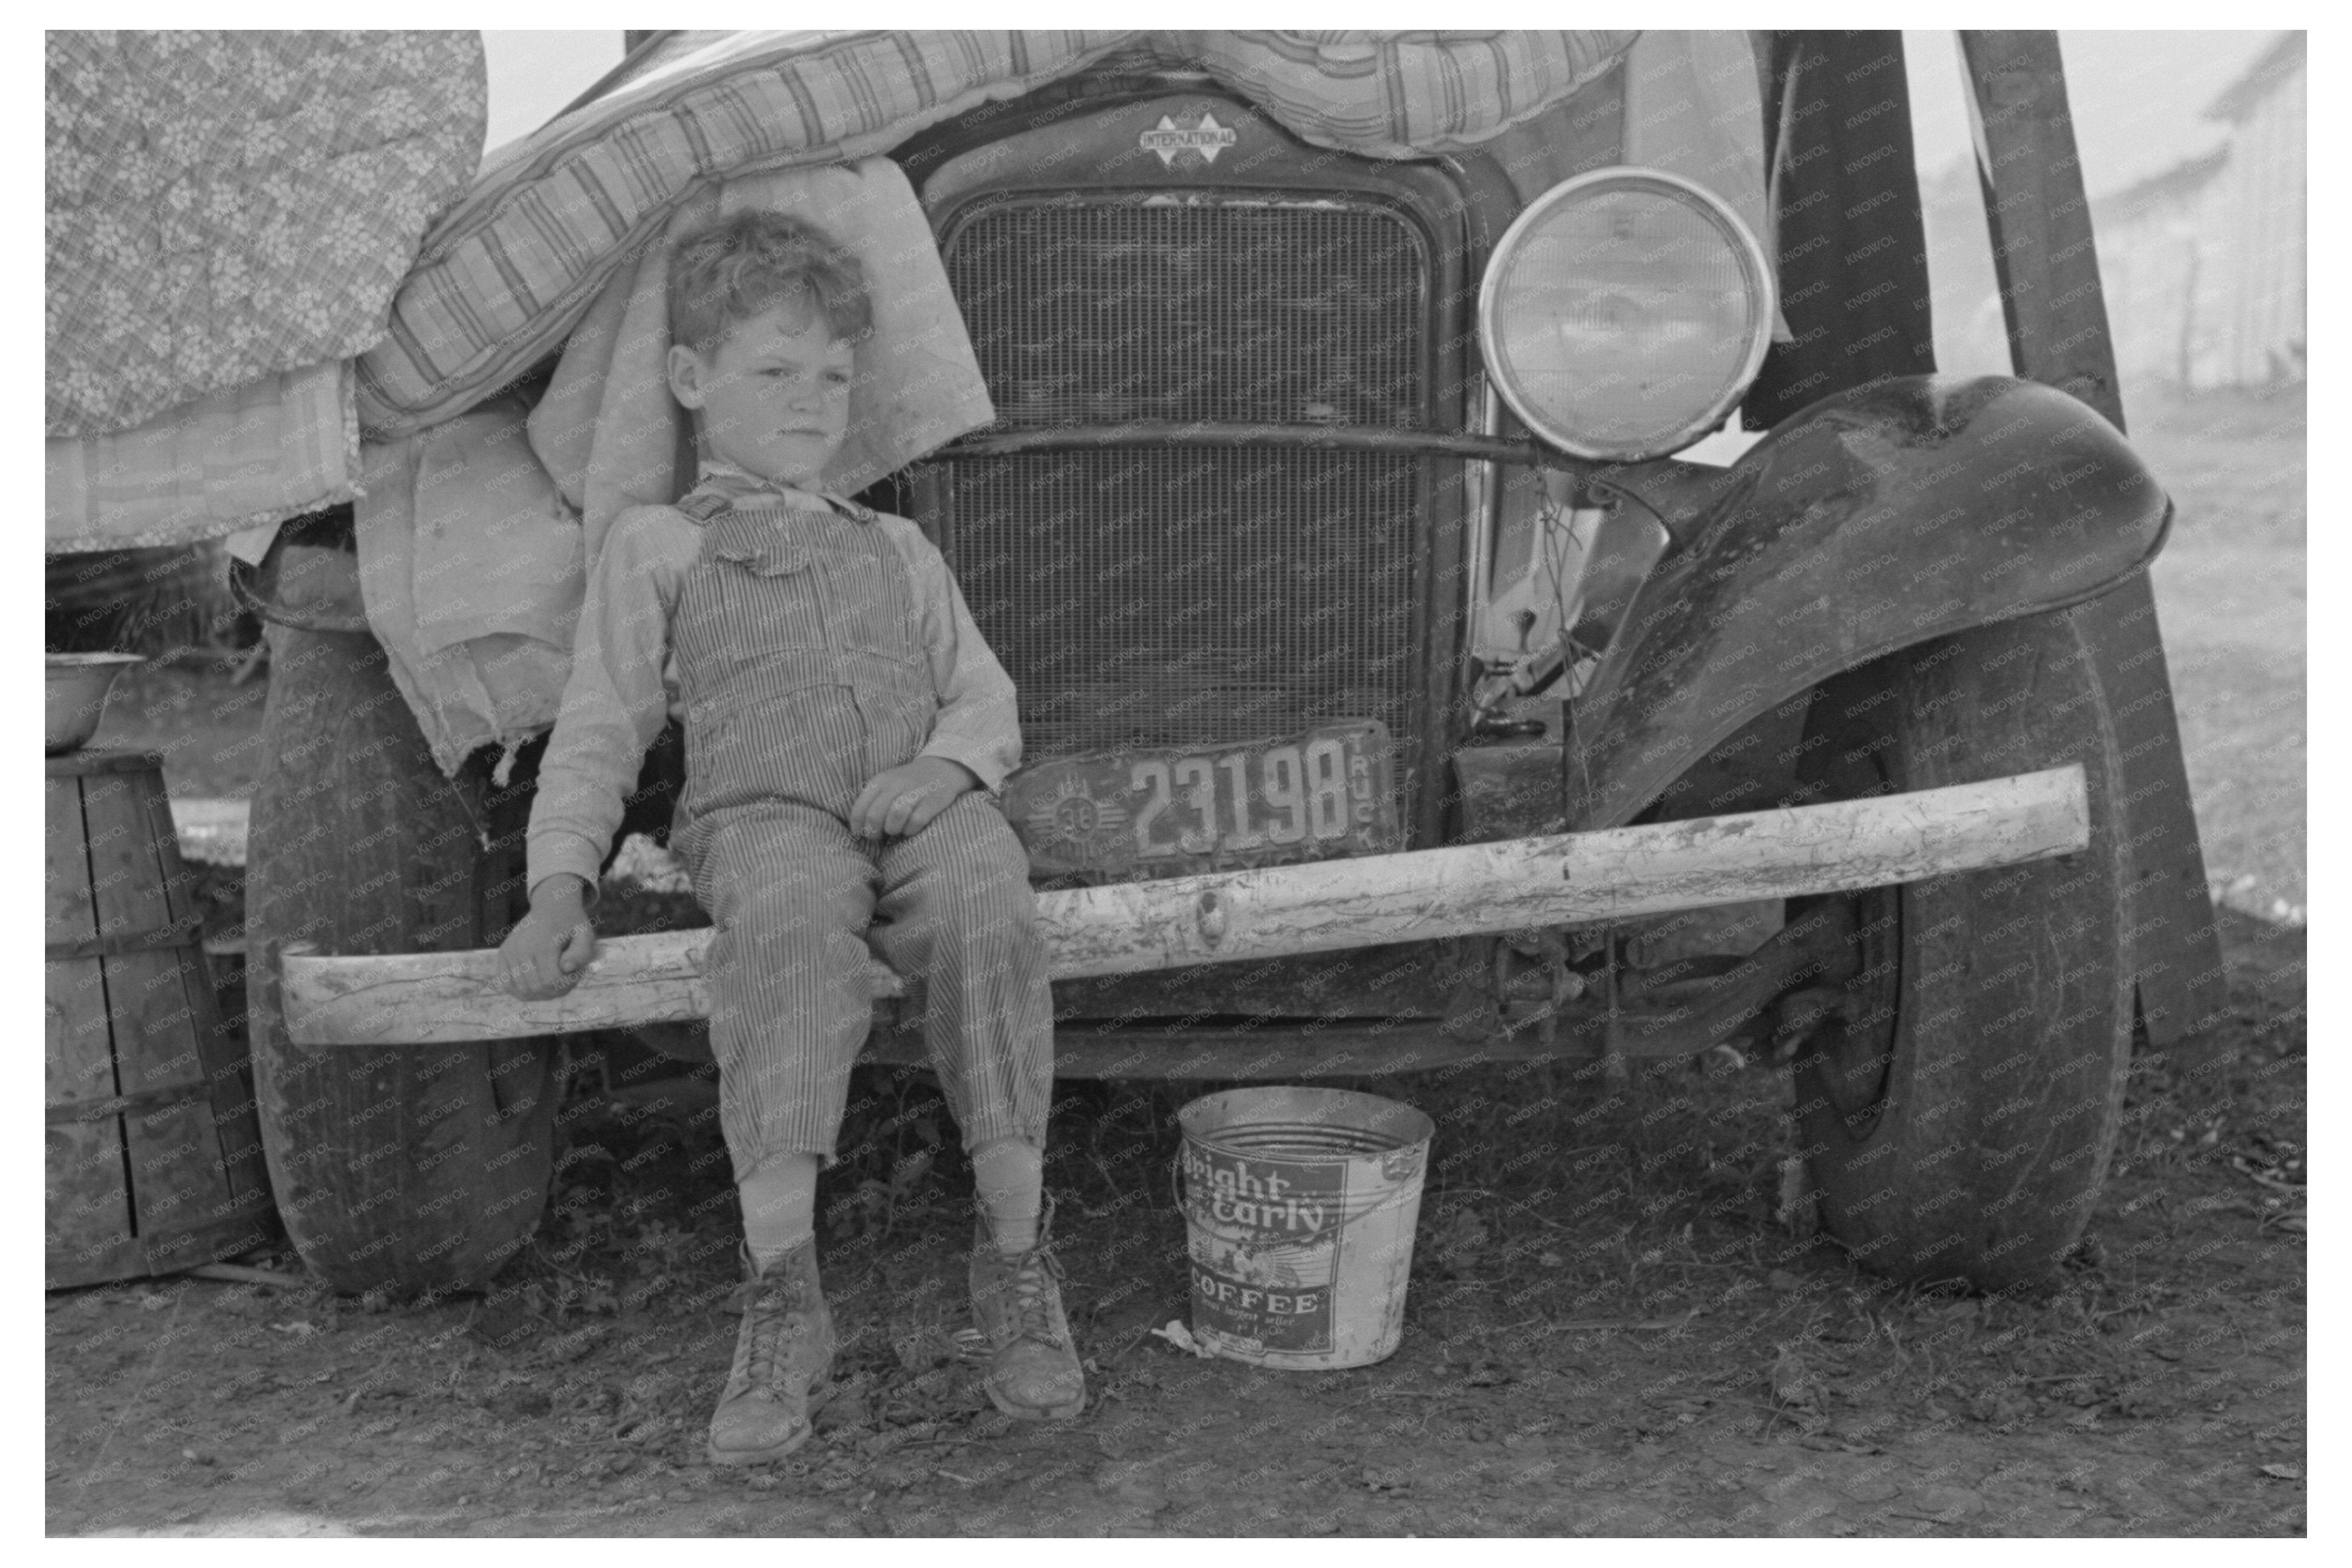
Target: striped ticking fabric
{"x":801,"y":663}
{"x":802,"y":672}
{"x":503,"y":275}
{"x":271,"y":449}
{"x":791,"y":896}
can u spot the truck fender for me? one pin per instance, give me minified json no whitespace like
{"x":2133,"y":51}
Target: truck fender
{"x":1872,"y":520}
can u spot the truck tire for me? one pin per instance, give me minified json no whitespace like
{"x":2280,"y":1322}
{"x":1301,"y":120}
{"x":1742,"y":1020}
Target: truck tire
{"x":420,"y":1169}
{"x":1959,"y":1111}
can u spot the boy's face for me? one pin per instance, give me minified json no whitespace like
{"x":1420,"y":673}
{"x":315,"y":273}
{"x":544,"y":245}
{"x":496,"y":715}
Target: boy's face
{"x":773,"y":396}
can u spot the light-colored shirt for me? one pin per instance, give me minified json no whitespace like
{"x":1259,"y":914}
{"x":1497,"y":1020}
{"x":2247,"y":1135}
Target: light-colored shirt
{"x":623,"y":681}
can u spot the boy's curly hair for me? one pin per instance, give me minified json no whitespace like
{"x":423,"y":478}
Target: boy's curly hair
{"x":730,"y":270}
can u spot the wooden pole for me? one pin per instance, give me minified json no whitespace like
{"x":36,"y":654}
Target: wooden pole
{"x":2057,"y":322}
{"x":432,"y":998}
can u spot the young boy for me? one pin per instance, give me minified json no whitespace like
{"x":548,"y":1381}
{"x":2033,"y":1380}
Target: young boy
{"x":842,"y":717}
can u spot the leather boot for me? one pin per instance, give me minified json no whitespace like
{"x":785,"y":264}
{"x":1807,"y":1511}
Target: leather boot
{"x":784,"y":1346}
{"x":1016,"y":1304}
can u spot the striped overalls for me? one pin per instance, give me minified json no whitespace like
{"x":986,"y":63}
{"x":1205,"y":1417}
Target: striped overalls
{"x":803,"y":673}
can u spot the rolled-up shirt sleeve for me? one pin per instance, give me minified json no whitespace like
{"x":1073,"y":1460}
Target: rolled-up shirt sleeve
{"x":977,"y":724}
{"x":615,"y":700}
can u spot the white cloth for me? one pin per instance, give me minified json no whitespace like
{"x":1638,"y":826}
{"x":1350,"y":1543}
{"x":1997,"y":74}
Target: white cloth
{"x":471,"y":571}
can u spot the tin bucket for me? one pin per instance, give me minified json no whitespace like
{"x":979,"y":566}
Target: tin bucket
{"x":1299,"y":1206}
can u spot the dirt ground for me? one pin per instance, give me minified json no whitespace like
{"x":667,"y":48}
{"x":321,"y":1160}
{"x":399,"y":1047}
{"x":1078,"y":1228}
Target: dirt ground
{"x":1610,"y":1329}
{"x":1627,"y":1344}
{"x":2230,"y":590}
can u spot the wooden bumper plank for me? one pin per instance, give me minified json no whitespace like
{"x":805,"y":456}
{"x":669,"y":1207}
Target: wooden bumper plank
{"x":1467,"y":890}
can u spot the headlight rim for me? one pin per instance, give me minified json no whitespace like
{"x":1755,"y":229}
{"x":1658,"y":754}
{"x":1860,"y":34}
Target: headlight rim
{"x":1746,"y":245}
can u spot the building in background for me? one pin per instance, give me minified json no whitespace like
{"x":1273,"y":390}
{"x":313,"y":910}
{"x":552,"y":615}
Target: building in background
{"x":2203,"y":265}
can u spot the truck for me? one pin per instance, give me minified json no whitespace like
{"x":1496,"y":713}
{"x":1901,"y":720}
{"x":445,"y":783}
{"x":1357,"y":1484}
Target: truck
{"x":1403,"y":685}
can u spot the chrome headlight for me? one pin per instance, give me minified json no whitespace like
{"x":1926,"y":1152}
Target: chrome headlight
{"x":1624,"y":313}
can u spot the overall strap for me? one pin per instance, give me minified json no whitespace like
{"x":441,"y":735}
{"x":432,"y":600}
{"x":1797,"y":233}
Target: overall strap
{"x":702,"y":505}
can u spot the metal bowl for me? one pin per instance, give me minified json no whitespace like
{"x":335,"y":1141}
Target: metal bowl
{"x":76,"y":695}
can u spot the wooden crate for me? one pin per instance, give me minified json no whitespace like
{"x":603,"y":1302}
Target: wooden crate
{"x":153,"y":1148}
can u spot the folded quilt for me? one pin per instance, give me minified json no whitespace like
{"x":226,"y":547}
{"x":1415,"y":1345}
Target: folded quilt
{"x":222,"y":206}
{"x":250,"y":455}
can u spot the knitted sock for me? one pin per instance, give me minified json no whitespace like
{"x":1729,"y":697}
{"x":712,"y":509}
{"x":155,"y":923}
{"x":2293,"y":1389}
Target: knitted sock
{"x":779,"y":1207}
{"x":1009,"y":1176}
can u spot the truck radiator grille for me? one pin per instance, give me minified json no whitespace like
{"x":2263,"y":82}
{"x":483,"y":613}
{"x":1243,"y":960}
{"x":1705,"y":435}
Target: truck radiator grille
{"x":1282,"y":598}
{"x":1192,"y":596}
{"x":1096,"y":314}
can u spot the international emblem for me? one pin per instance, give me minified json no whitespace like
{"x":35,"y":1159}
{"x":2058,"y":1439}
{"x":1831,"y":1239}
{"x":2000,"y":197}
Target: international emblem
{"x":1204,"y":141}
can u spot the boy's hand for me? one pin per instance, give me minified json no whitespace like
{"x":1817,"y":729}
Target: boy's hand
{"x":543,"y":957}
{"x":901,"y":801}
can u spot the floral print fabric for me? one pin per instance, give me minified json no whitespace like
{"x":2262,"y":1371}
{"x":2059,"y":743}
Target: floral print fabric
{"x":224,"y":206}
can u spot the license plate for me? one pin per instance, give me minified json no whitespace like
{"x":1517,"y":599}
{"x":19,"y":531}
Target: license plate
{"x":1328,"y":792}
